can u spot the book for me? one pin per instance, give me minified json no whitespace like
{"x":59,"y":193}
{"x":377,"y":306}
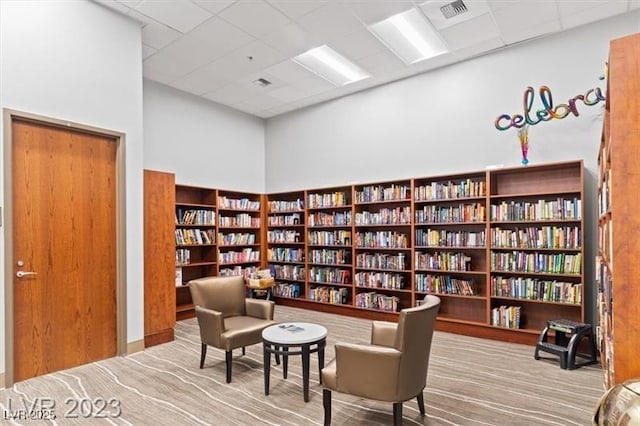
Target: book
{"x":291,"y":328}
{"x":178,"y":277}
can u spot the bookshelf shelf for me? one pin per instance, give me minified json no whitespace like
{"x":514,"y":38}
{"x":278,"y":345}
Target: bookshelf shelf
{"x":194,"y":264}
{"x":616,"y":265}
{"x":455,"y":296}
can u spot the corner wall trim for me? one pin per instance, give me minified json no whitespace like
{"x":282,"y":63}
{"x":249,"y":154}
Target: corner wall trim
{"x":133,"y":347}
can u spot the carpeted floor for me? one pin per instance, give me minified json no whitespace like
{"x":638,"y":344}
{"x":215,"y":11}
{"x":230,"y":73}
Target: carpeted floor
{"x":471,"y":382}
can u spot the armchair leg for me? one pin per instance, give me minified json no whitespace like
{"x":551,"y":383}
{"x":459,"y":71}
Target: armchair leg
{"x":243,"y":351}
{"x":397,"y":414}
{"x":326,"y":403}
{"x":228,"y":359}
{"x":203,"y":354}
{"x":421,"y":403}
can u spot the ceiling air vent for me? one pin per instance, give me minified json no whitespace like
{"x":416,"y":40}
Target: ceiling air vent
{"x":262,"y":82}
{"x":453,"y":9}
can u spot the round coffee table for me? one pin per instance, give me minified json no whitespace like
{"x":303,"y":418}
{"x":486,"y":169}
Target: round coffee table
{"x":304,"y":338}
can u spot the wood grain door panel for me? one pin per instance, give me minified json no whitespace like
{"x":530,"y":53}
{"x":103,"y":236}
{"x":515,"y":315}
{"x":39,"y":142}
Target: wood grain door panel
{"x":64,"y":229}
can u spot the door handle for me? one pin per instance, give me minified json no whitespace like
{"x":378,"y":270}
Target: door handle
{"x":21,"y":274}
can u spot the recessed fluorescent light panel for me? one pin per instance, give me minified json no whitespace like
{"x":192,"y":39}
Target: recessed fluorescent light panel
{"x":410,"y":36}
{"x":331,"y":65}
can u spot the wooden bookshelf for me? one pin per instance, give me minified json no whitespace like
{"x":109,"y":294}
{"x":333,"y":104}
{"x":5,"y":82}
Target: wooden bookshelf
{"x":195,"y":242}
{"x":536,"y":239}
{"x":382,"y":246}
{"x":450,"y":249}
{"x":240,"y":244}
{"x":286,"y":238}
{"x":452,"y":246}
{"x":159,"y":293}
{"x":617,"y":267}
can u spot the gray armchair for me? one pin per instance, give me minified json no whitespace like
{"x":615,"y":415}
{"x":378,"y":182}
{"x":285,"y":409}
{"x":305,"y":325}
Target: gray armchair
{"x":392,"y":368}
{"x":227,"y":319}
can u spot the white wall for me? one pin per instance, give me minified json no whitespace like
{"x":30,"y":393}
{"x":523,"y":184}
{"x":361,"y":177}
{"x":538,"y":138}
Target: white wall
{"x":443,"y":121}
{"x":203,"y":143}
{"x":77,"y":61}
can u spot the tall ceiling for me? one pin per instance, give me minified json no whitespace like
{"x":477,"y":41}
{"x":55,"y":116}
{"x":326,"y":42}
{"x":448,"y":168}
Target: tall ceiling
{"x":217,"y":49}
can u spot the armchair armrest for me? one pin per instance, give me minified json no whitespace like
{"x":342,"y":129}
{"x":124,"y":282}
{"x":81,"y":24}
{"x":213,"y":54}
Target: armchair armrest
{"x":383,"y":333}
{"x":211,"y":325}
{"x":259,"y":308}
{"x":368,"y":371}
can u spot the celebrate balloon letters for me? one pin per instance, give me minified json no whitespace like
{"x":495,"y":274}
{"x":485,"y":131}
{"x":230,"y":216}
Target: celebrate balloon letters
{"x":506,"y":121}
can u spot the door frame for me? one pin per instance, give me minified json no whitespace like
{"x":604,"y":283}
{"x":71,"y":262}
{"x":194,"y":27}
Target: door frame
{"x":9,"y":115}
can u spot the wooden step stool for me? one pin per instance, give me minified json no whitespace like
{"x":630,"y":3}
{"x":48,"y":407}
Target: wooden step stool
{"x":567,"y":348}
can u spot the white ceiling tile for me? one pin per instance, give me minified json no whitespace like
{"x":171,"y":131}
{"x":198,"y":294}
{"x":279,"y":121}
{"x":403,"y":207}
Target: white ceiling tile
{"x":262,"y":102}
{"x":148,"y":51}
{"x":304,"y":102}
{"x":254,"y":17}
{"x":279,"y":110}
{"x":180,"y":15}
{"x":314,"y":85}
{"x":254,"y":56}
{"x":115,"y":5}
{"x":381,"y":63}
{"x":291,"y":40}
{"x":288,"y":94}
{"x":433,"y":63}
{"x":249,"y":81}
{"x":330,"y":21}
{"x":200,"y":81}
{"x":144,"y":18}
{"x":634,"y":4}
{"x":158,"y":35}
{"x":526,"y":19}
{"x":230,"y":94}
{"x":220,"y":36}
{"x":372,"y":11}
{"x":479,"y":48}
{"x":289,"y":71}
{"x":129,"y":3}
{"x":572,"y":17}
{"x":433,"y":12}
{"x":358,"y":44}
{"x":214,"y":6}
{"x":158,"y":73}
{"x":295,"y":9}
{"x":527,"y":33}
{"x":470,"y":32}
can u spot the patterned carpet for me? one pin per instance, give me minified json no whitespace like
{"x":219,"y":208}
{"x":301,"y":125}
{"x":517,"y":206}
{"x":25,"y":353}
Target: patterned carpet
{"x":471,"y":382}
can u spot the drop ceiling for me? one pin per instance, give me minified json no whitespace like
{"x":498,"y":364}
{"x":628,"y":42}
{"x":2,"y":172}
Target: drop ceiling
{"x":218,"y":49}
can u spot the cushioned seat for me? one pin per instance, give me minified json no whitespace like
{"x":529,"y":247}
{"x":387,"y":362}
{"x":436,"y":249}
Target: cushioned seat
{"x":227,"y":319}
{"x":392,"y":368}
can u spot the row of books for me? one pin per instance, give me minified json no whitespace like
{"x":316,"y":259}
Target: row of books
{"x":555,"y":263}
{"x":330,"y":219}
{"x":194,"y":237}
{"x":337,"y":296}
{"x":330,"y":238}
{"x":382,"y":239}
{"x":240,"y":220}
{"x":397,"y":216}
{"x":195,"y":217}
{"x":536,"y":289}
{"x":373,"y":300}
{"x":285,"y":220}
{"x":446,"y":261}
{"x":236,"y":238}
{"x":475,"y":212}
{"x":381,"y":260}
{"x":560,"y":237}
{"x":506,"y":316}
{"x":244,"y":271}
{"x":283,"y":236}
{"x":330,"y":275}
{"x":444,"y":284}
{"x":330,"y":257}
{"x":335,"y":199}
{"x":558,"y":209}
{"x":286,"y":206}
{"x":374,"y":193}
{"x":288,"y":272}
{"x":183,"y":257}
{"x":379,"y":280}
{"x":285,"y":254}
{"x":238,"y":204}
{"x":287,"y":290}
{"x":444,"y":238}
{"x":246,"y":255}
{"x":450,"y":190}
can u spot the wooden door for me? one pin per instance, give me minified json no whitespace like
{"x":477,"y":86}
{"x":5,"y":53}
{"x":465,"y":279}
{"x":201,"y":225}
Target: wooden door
{"x":64,"y":231}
